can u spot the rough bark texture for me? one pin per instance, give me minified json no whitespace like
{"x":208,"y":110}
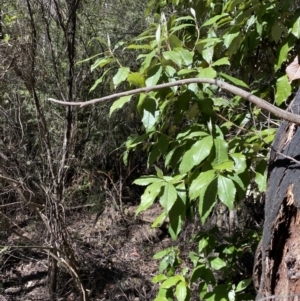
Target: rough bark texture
{"x":277,"y":268}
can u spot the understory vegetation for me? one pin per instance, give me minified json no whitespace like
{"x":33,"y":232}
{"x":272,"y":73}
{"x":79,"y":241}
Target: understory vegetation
{"x":157,"y":194}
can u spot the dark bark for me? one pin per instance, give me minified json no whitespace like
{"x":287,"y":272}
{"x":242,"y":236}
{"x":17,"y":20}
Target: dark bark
{"x":277,"y":268}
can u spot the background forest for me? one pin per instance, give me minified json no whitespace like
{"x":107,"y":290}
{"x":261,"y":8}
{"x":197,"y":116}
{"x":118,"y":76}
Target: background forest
{"x":155,"y":195}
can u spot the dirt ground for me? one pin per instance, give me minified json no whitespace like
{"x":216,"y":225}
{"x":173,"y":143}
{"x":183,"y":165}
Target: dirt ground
{"x":116,"y":249}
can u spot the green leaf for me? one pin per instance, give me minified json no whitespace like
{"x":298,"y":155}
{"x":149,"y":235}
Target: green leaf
{"x":150,"y":113}
{"x":243,"y":284}
{"x":203,"y":273}
{"x":227,"y":165}
{"x":226,"y":191}
{"x":159,"y":172}
{"x":118,"y":104}
{"x":207,"y":200}
{"x":159,"y":278}
{"x":120,"y":76}
{"x":217,"y":263}
{"x":233,"y":80}
{"x":261,"y":181}
{"x":136,"y":79}
{"x":240,"y":162}
{"x":169,"y":197}
{"x":221,"y":152}
{"x":186,"y":56}
{"x":283,"y":90}
{"x":149,"y":196}
{"x":163,"y":253}
{"x":177,"y":215}
{"x":171,"y":281}
{"x":181,"y":291}
{"x":207,"y":72}
{"x":201,"y":182}
{"x":196,"y":154}
{"x":146,"y":180}
{"x":214,"y":19}
{"x":296,"y":28}
{"x":173,"y":56}
{"x":159,"y":220}
{"x":229,"y":37}
{"x":102,"y":62}
{"x":283,"y":54}
{"x":221,"y":62}
{"x":147,"y":60}
{"x":154,"y":76}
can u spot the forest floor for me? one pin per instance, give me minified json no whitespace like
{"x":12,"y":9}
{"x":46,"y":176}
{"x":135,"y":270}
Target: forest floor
{"x":116,"y":249}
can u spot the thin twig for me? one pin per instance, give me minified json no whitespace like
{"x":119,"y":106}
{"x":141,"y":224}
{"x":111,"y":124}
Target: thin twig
{"x":261,"y":103}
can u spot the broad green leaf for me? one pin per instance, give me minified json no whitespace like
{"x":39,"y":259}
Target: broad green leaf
{"x":136,"y":79}
{"x":229,"y":37}
{"x":201,"y":182}
{"x":203,"y":273}
{"x":174,"y":41}
{"x":221,"y":152}
{"x":276,"y":31}
{"x":296,"y":28}
{"x":150,"y":113}
{"x":283,"y":90}
{"x":214,"y":19}
{"x":186,"y":56}
{"x":120,"y":76}
{"x":159,"y":278}
{"x":179,"y":27}
{"x":168,"y":197}
{"x":207,"y":200}
{"x":217,"y":263}
{"x":171,"y":281}
{"x":154,"y":76}
{"x":233,"y":80}
{"x":261,"y":181}
{"x":173,"y":56}
{"x":159,"y":220}
{"x":181,"y":291}
{"x":226,"y":191}
{"x":207,"y":72}
{"x":227,"y":165}
{"x":203,"y":243}
{"x":149,"y":196}
{"x":240,"y":162}
{"x":283,"y":54}
{"x":159,"y":172}
{"x":146,"y":180}
{"x":220,"y":62}
{"x":118,"y":104}
{"x":208,"y":53}
{"x":243,"y":284}
{"x":162,"y":253}
{"x":147,"y":60}
{"x":196,"y":154}
{"x":177,"y":215}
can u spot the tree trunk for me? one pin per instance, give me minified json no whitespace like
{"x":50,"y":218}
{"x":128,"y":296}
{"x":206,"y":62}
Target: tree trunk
{"x":277,"y":267}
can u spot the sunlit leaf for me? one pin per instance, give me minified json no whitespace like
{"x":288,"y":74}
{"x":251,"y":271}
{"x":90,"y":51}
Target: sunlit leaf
{"x":226,"y":191}
{"x":283,"y":90}
{"x":168,"y":197}
{"x":118,"y":104}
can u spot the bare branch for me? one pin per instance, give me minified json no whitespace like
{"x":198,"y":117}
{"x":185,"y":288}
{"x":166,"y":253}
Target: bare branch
{"x":261,"y":103}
